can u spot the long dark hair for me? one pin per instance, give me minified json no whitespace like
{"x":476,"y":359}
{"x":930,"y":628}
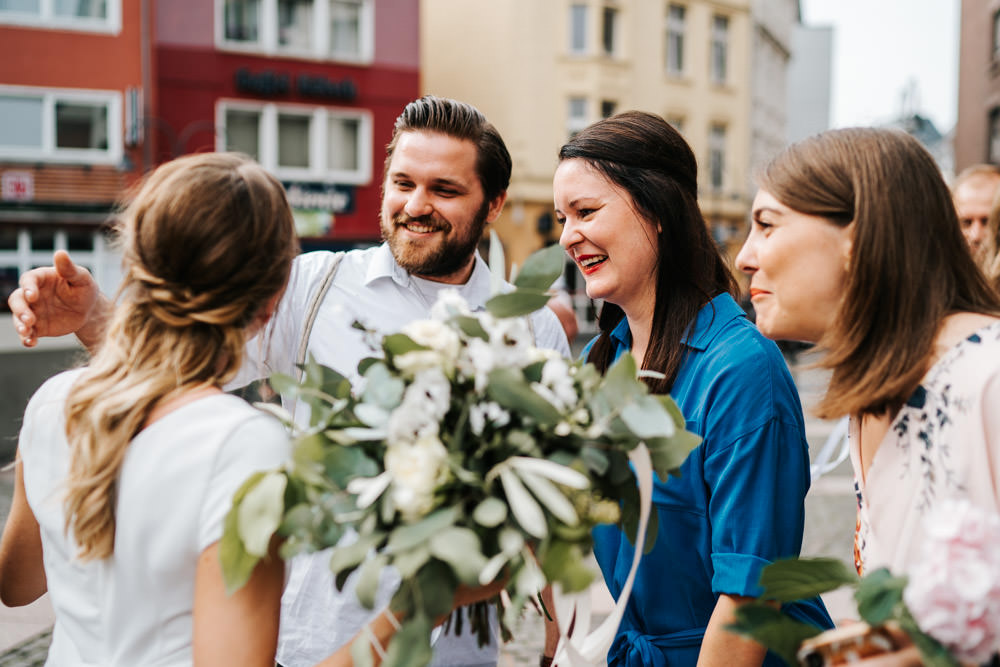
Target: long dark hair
{"x":642,"y":154}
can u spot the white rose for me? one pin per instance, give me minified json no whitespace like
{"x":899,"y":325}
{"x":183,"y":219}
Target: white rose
{"x":417,"y":470}
{"x":435,"y":335}
{"x":449,"y":303}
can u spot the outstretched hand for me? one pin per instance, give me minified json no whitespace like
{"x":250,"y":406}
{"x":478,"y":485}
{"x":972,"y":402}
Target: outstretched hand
{"x":56,"y":301}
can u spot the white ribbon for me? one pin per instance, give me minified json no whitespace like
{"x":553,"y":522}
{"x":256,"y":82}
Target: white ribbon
{"x":583,"y":648}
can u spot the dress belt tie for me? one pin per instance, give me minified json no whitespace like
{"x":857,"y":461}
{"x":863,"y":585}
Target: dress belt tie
{"x":632,"y":648}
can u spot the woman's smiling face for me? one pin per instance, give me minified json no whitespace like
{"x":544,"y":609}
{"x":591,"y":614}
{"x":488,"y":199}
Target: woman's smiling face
{"x":797,"y":265}
{"x":614,"y":247}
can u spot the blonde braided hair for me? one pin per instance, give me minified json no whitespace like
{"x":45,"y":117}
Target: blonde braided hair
{"x":207,"y":245}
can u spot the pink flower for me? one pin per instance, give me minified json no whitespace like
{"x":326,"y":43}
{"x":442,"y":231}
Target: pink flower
{"x":954,"y":591}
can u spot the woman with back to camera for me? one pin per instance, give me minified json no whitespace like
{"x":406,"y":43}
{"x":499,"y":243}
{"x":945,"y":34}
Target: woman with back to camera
{"x":855,"y":245}
{"x":127,"y":467}
{"x":626,"y":193}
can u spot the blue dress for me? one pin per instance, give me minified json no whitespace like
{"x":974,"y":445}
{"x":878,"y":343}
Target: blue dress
{"x":738,"y":504}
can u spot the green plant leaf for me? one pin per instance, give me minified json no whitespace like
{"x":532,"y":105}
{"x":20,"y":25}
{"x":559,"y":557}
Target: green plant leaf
{"x":406,"y":537}
{"x":564,"y":562}
{"x":550,"y":496}
{"x":491,"y":512}
{"x":793,"y":579}
{"x":434,"y":588}
{"x":517,"y":303}
{"x":411,"y":646}
{"x":669,"y":454}
{"x":237,"y":564}
{"x":260,"y":511}
{"x":471,"y":326}
{"x":509,"y":389}
{"x":368,"y":576}
{"x":361,"y":652}
{"x":771,"y":628}
{"x":351,"y":555}
{"x":541,"y":268}
{"x":408,"y":562}
{"x":932,"y":653}
{"x":397,"y":344}
{"x":524,"y":507}
{"x":498,"y":264}
{"x":879,"y":596}
{"x":460,"y":548}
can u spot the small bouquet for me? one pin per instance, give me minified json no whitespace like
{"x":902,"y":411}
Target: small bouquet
{"x":948,"y":605}
{"x":468,"y":456}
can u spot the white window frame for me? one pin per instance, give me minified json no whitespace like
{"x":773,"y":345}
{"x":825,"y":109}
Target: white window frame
{"x":676,"y":26}
{"x":317,"y":171}
{"x":267,"y":42}
{"x":719,"y":51}
{"x":584,"y":12}
{"x":47,"y":19}
{"x":48,"y":152}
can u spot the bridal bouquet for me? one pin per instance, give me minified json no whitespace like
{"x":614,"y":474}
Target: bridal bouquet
{"x":467,"y":456}
{"x":948,"y":605}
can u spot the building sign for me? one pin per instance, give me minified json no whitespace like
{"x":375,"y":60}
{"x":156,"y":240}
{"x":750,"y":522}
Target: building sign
{"x":277,"y":84}
{"x":18,"y":186}
{"x":316,"y":205}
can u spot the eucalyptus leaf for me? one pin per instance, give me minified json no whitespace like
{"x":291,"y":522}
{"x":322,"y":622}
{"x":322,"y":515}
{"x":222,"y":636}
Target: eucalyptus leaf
{"x":770,"y":627}
{"x":525,"y":509}
{"x":563,"y":562}
{"x":361,"y":652}
{"x":793,"y":579}
{"x":411,"y":646}
{"x":509,"y":389}
{"x":351,"y":555}
{"x":260,"y":511}
{"x":879,"y":596}
{"x":932,"y":653}
{"x":407,"y":563}
{"x":491,"y":512}
{"x":646,"y":418}
{"x":517,"y":303}
{"x":237,"y":564}
{"x":550,"y":496}
{"x":398,"y":343}
{"x":498,"y":264}
{"x":471,"y":327}
{"x":408,"y":536}
{"x":436,"y":584}
{"x":541,"y":268}
{"x":460,"y":548}
{"x":368,"y":577}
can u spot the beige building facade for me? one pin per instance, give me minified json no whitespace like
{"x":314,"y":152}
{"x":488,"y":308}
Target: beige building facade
{"x":542,"y":69}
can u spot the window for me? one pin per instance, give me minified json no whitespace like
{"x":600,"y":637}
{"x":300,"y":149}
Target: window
{"x":325,"y":29}
{"x":608,"y":108}
{"x":301,"y":143}
{"x":717,"y":155}
{"x":609,"y":31}
{"x":994,"y":139}
{"x":576,"y":118}
{"x":578,"y":29}
{"x":996,"y":35}
{"x":60,"y":125}
{"x":677,"y":122}
{"x":675,"y":39}
{"x":87,"y":15}
{"x":720,"y":48}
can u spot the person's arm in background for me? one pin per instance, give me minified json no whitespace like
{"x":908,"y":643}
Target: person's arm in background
{"x":59,"y":300}
{"x":22,"y":572}
{"x":723,"y":648}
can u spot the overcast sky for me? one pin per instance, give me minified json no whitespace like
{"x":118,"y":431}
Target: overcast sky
{"x":881,"y":45}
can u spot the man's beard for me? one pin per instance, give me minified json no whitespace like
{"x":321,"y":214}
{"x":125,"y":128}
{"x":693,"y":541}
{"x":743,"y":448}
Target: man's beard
{"x":450,"y":254}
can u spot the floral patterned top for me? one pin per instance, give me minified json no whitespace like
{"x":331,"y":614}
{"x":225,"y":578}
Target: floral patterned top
{"x":943,"y":443}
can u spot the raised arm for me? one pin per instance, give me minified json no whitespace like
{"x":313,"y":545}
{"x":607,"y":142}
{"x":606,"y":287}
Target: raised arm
{"x":58,"y":300}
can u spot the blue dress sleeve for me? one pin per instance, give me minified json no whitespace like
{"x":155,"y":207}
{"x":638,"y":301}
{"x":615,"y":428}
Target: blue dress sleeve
{"x":758,"y":483}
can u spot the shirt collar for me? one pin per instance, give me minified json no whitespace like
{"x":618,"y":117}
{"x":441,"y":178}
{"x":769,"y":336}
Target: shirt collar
{"x":709,"y":321}
{"x":383,"y":265}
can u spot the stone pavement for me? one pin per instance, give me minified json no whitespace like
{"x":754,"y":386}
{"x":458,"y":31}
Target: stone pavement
{"x":24,"y":632}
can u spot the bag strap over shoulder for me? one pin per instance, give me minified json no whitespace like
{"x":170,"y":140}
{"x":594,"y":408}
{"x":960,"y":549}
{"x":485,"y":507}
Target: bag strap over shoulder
{"x":332,"y":264}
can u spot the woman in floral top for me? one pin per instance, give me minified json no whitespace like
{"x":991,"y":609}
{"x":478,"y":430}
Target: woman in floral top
{"x":855,"y":245}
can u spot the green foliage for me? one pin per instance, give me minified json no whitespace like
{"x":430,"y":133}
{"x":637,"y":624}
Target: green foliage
{"x":801,"y":578}
{"x":780,"y":633}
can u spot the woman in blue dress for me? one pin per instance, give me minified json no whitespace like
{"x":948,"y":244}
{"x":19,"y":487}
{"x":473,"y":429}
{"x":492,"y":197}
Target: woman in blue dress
{"x":626,"y":194}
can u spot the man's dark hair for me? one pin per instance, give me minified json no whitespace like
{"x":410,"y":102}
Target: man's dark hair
{"x":461,"y":121}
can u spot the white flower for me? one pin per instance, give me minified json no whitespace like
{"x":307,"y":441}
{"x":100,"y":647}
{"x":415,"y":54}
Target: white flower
{"x":476,"y":361}
{"x":436,"y":335}
{"x":425,"y":403}
{"x":482,"y":413}
{"x":954,"y":591}
{"x":431,"y":390}
{"x":417,"y":470}
{"x":411,"y":363}
{"x":449,"y":303}
{"x":409,"y":422}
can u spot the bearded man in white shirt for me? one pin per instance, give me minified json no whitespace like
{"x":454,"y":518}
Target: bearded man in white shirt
{"x":446,"y":176}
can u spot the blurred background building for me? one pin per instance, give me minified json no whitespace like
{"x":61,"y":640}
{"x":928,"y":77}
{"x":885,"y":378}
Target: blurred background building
{"x":977,"y":132}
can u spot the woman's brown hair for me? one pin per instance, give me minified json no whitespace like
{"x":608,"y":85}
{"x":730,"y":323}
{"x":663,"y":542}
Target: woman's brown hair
{"x":647,"y":158}
{"x":909,"y":265}
{"x":207,"y":241}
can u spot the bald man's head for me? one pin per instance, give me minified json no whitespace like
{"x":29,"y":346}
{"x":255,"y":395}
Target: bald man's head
{"x":973,"y":192}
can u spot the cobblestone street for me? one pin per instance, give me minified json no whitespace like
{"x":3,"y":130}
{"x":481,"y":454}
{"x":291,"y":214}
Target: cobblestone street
{"x":24,"y":633}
